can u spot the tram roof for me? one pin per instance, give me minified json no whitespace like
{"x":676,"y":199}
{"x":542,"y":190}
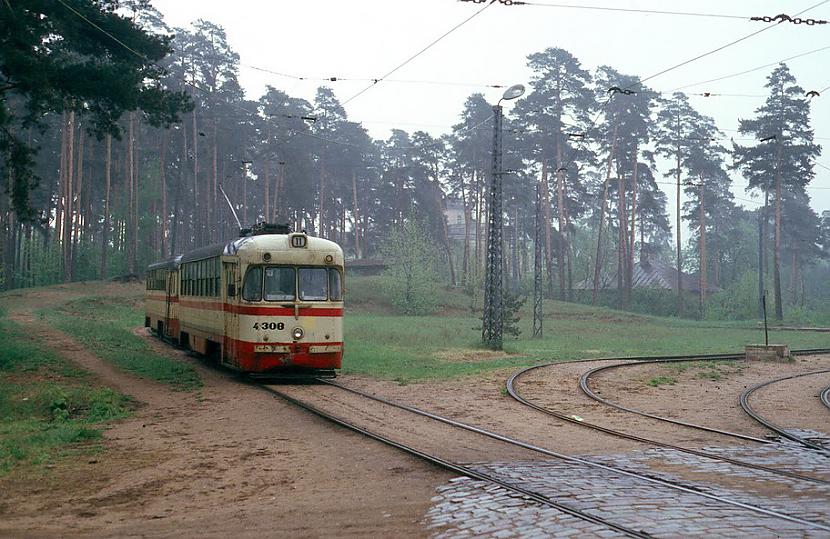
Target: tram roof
{"x":269,"y":242}
{"x":169,"y":263}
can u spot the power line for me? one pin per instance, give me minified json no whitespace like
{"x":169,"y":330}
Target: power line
{"x":738,"y":74}
{"x":727,"y":45}
{"x":633,"y":10}
{"x":420,"y":52}
{"x":368,"y":79}
{"x":681,"y":64}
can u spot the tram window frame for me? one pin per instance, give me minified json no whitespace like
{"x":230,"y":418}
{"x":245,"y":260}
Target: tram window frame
{"x":335,"y":271}
{"x":272,"y":266}
{"x":300,"y":294}
{"x":248,"y":273}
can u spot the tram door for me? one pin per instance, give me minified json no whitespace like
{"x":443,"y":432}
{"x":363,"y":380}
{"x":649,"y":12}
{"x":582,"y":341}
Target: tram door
{"x":232,"y":293}
{"x":169,"y":293}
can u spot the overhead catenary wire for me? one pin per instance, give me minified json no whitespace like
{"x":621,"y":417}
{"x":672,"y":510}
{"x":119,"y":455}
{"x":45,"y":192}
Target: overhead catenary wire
{"x":758,"y":68}
{"x":417,"y":54}
{"x":372,"y":80}
{"x":677,"y":66}
{"x":312,"y":135}
{"x":638,"y":11}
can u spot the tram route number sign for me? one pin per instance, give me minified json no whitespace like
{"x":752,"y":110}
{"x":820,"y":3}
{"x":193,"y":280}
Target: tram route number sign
{"x":269,"y":325}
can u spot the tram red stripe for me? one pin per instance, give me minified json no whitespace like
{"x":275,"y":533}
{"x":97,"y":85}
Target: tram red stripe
{"x":173,"y":299}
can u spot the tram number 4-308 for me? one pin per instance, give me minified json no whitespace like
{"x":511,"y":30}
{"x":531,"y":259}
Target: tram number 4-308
{"x":269,"y":325}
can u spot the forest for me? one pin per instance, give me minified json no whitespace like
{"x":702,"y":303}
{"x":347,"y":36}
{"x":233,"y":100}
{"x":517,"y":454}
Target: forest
{"x":93,"y":200}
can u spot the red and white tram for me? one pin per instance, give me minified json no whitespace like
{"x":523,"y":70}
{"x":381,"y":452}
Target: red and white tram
{"x":268,"y":303}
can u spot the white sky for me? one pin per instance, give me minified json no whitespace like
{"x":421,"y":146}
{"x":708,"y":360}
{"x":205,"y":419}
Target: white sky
{"x":367,"y":38}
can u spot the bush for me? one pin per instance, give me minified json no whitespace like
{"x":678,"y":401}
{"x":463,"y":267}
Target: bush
{"x":739,"y":301}
{"x":410,"y":280}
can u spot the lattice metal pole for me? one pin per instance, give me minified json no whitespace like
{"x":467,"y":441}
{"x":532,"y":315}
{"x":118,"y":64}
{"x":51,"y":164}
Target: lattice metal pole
{"x":537,"y":268}
{"x":493,"y":319}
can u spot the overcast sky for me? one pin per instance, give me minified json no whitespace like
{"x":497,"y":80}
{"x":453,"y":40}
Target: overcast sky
{"x":365,"y":39}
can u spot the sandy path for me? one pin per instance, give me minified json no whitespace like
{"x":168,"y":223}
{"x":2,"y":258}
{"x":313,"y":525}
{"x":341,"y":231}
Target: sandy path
{"x":229,"y":459}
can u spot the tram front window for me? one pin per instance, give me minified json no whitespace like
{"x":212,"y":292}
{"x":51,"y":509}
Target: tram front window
{"x":252,"y":289}
{"x":314,"y":284}
{"x":335,"y":290}
{"x":279,"y":284}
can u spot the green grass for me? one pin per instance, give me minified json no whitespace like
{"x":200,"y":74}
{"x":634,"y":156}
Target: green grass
{"x":105,"y":326}
{"x":47,"y":406}
{"x":658,"y":381}
{"x":409,"y":348}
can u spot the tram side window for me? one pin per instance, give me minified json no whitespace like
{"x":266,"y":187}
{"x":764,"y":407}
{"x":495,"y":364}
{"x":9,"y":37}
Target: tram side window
{"x":280,"y":284}
{"x":335,"y":285}
{"x":200,"y":281}
{"x":314,"y":284}
{"x":252,"y":289}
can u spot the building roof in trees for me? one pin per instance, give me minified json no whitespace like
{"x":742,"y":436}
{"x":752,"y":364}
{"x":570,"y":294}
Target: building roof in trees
{"x":652,"y":274}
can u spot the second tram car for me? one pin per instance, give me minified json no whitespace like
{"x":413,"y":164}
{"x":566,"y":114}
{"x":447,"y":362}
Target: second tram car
{"x":268,"y":303}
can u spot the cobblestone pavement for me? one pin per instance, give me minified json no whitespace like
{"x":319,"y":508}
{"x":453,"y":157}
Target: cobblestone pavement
{"x":469,"y":508}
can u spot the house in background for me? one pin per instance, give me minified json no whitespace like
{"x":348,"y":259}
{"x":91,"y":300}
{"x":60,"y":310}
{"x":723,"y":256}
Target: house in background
{"x":653,"y":275}
{"x":455,"y":220}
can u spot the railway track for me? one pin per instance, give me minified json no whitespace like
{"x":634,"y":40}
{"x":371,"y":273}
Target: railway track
{"x":584,"y":384}
{"x":781,"y":431}
{"x":514,"y":393}
{"x":461,"y":469}
{"x":825,"y":396}
{"x":518,"y":489}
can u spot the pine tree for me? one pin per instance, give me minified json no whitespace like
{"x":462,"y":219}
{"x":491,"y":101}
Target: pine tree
{"x":783,"y":165}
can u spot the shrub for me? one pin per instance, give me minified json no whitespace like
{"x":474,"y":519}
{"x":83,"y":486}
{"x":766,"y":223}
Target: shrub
{"x":410,"y":280}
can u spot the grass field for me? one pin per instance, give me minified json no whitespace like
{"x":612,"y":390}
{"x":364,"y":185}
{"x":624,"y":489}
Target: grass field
{"x":105,"y":325}
{"x":407,"y":348}
{"x":410,"y":348}
{"x":48,"y":408}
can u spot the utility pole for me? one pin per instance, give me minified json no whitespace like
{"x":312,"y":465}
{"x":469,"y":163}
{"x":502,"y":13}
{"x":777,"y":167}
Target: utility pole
{"x":493,"y":318}
{"x":762,"y":216}
{"x":537,"y":268}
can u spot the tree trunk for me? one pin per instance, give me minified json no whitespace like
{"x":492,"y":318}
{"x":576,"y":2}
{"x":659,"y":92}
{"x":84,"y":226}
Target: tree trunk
{"x":131,"y":226}
{"x":478,"y":230}
{"x":278,"y":205}
{"x":79,"y":185}
{"x":545,"y":192}
{"x":465,"y":257}
{"x":163,"y":177}
{"x":213,"y":222}
{"x":196,"y":210}
{"x":136,"y":144}
{"x":68,"y":197}
{"x":560,"y":206}
{"x":622,"y":240}
{"x":629,"y":274}
{"x":356,"y":214}
{"x":779,"y":307}
{"x":322,"y":193}
{"x":106,"y":226}
{"x":267,"y":178}
{"x":702,"y":249}
{"x":603,"y":207}
{"x":794,"y":279}
{"x":679,"y":260}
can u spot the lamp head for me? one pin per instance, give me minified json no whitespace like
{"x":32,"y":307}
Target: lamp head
{"x":517,"y":90}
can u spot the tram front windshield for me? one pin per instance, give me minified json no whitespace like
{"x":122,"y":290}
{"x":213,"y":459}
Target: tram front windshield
{"x":286,"y":283}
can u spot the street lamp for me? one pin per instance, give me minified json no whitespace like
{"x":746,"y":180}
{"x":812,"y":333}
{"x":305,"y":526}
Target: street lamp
{"x":493,"y":319}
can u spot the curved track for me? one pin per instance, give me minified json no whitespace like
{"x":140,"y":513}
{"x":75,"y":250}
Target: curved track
{"x":511,"y":389}
{"x":463,"y":470}
{"x":825,"y":396}
{"x":677,"y":486}
{"x":769,"y":424}
{"x":585,"y":387}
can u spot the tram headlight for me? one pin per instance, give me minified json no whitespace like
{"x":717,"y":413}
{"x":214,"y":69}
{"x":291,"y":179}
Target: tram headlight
{"x":297,"y":333}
